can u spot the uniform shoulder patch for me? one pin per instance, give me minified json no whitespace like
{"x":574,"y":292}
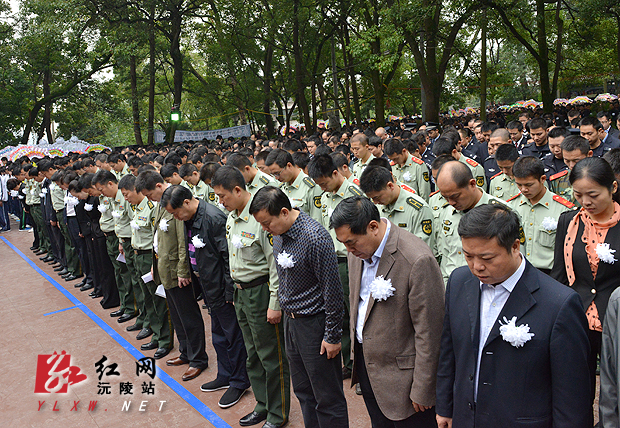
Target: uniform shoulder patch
{"x":434,"y":193}
{"x":472,"y":162}
{"x":514,"y":197}
{"x":264,"y":180}
{"x":416,"y":160}
{"x":497,"y":175}
{"x":354,"y":190}
{"x":407,"y":188}
{"x":309,"y":182}
{"x":558,"y":175}
{"x":415,"y":204}
{"x":563,"y":201}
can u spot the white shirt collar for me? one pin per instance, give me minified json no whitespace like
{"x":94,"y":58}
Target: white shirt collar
{"x":511,"y":282}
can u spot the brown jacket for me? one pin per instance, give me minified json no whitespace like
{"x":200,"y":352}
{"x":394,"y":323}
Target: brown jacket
{"x":171,"y":252}
{"x":402,"y":334}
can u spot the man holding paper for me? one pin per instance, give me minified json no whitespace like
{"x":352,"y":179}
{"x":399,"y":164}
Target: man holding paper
{"x":172,"y":271}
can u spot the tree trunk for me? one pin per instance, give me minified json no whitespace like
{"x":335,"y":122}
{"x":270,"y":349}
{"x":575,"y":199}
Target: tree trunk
{"x":46,"y":125}
{"x":351,"y":71}
{"x":379,"y":90}
{"x":151,"y":130}
{"x":558,"y":48}
{"x":483,"y":69}
{"x":267,"y":89}
{"x":176,"y":21}
{"x":300,"y":74}
{"x":135,"y":108}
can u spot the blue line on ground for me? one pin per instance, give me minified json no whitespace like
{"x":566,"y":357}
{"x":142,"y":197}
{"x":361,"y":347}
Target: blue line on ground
{"x":59,"y":310}
{"x":190,"y":398}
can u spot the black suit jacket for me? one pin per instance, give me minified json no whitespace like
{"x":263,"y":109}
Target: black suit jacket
{"x":545,"y":383}
{"x":606,"y":276}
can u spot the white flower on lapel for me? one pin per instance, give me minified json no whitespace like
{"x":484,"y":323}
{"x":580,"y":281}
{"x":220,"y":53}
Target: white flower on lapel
{"x":72,"y":201}
{"x":381,"y":288}
{"x":41,"y":195}
{"x":605,"y":254}
{"x":116,"y":214}
{"x":102,"y":208}
{"x":44,"y":191}
{"x":14,"y":193}
{"x":53,"y":186}
{"x":285,"y":260}
{"x":33,"y":191}
{"x":197,"y":242}
{"x":163,"y":225}
{"x":88,"y":207}
{"x":407,"y":176}
{"x":236,"y":241}
{"x":549,"y":224}
{"x":134,"y":225}
{"x":514,"y":334}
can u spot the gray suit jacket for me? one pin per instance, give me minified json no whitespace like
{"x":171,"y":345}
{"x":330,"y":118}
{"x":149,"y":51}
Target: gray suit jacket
{"x":402,"y":334}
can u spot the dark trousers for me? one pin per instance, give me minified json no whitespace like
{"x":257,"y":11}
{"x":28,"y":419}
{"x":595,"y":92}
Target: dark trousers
{"x":57,"y":243}
{"x":425,"y":419}
{"x":229,"y":347}
{"x":317,"y":381}
{"x":80,"y":251}
{"x":104,"y":270}
{"x":343,"y":270}
{"x":188,"y":324}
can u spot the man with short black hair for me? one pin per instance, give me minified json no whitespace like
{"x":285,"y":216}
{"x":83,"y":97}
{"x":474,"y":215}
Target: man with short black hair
{"x":487,"y":378}
{"x":574,"y":148}
{"x":591,"y":129}
{"x":502,"y":184}
{"x":538,"y":132}
{"x":254,"y":178}
{"x":310,"y":296}
{"x":407,"y":168}
{"x":515,"y":129}
{"x":118,"y":163}
{"x":396,"y":287}
{"x":445,"y":146}
{"x":359,"y":148}
{"x":554,"y":162}
{"x":189,"y":173}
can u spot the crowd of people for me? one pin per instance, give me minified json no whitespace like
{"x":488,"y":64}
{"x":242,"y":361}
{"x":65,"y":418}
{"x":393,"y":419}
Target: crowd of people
{"x":459,"y":273}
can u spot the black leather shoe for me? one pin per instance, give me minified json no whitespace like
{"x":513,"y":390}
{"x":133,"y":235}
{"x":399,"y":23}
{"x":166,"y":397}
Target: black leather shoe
{"x":126,"y":317}
{"x":46,"y":259}
{"x":67,"y":275}
{"x":148,"y":346}
{"x":72,"y":278}
{"x":144,"y":333}
{"x":134,"y":327}
{"x":272,"y":425}
{"x":39,"y":252}
{"x":59,"y":268}
{"x":79,"y":276}
{"x":33,"y":248}
{"x":161,"y":353}
{"x":116,"y":313}
{"x":53,"y":261}
{"x":63,"y":272}
{"x":253,"y":418}
{"x":87,"y":286}
{"x":96,"y":295}
{"x":346,"y":373}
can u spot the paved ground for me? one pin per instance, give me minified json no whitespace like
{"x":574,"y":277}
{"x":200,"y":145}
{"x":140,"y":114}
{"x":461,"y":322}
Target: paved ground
{"x":30,"y":295}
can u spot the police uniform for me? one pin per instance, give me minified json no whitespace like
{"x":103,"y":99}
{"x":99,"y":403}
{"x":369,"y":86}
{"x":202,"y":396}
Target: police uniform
{"x":131,"y":293}
{"x":330,"y":201}
{"x":305,"y":195}
{"x":477,"y":171}
{"x":411,"y":213}
{"x":503,"y":187}
{"x":447,"y":238}
{"x":560,"y":185}
{"x":539,"y":225}
{"x":199,"y":190}
{"x":253,"y":270}
{"x":414,"y":174}
{"x":261,"y":180}
{"x":553,"y":165}
{"x":155,"y":307}
{"x":121,"y":273}
{"x":537,"y":151}
{"x":490,"y":167}
{"x":436,"y":201}
{"x":121,"y":174}
{"x":360,"y":166}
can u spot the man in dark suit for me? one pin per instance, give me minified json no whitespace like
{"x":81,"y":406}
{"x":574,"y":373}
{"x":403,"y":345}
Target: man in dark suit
{"x":514,"y":348}
{"x":397,"y":333}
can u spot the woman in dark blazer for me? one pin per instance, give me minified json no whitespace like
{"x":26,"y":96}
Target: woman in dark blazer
{"x":585,"y":258}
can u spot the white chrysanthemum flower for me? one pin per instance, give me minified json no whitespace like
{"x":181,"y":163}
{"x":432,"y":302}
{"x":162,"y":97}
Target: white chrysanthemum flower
{"x":41,"y":195}
{"x":197,"y":242}
{"x":549,"y":224}
{"x":53,"y":186}
{"x":33,"y":191}
{"x":14,"y":193}
{"x":102,"y":208}
{"x":407,"y":176}
{"x":381,"y":288}
{"x":88,"y":207}
{"x":514,"y":334}
{"x":116,"y":214}
{"x":236,"y":241}
{"x":134,"y":225}
{"x":605,"y":254}
{"x":285,"y":260}
{"x":163,"y":225}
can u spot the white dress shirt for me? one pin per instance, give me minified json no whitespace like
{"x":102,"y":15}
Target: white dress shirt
{"x":369,"y":272}
{"x":492,"y":300}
